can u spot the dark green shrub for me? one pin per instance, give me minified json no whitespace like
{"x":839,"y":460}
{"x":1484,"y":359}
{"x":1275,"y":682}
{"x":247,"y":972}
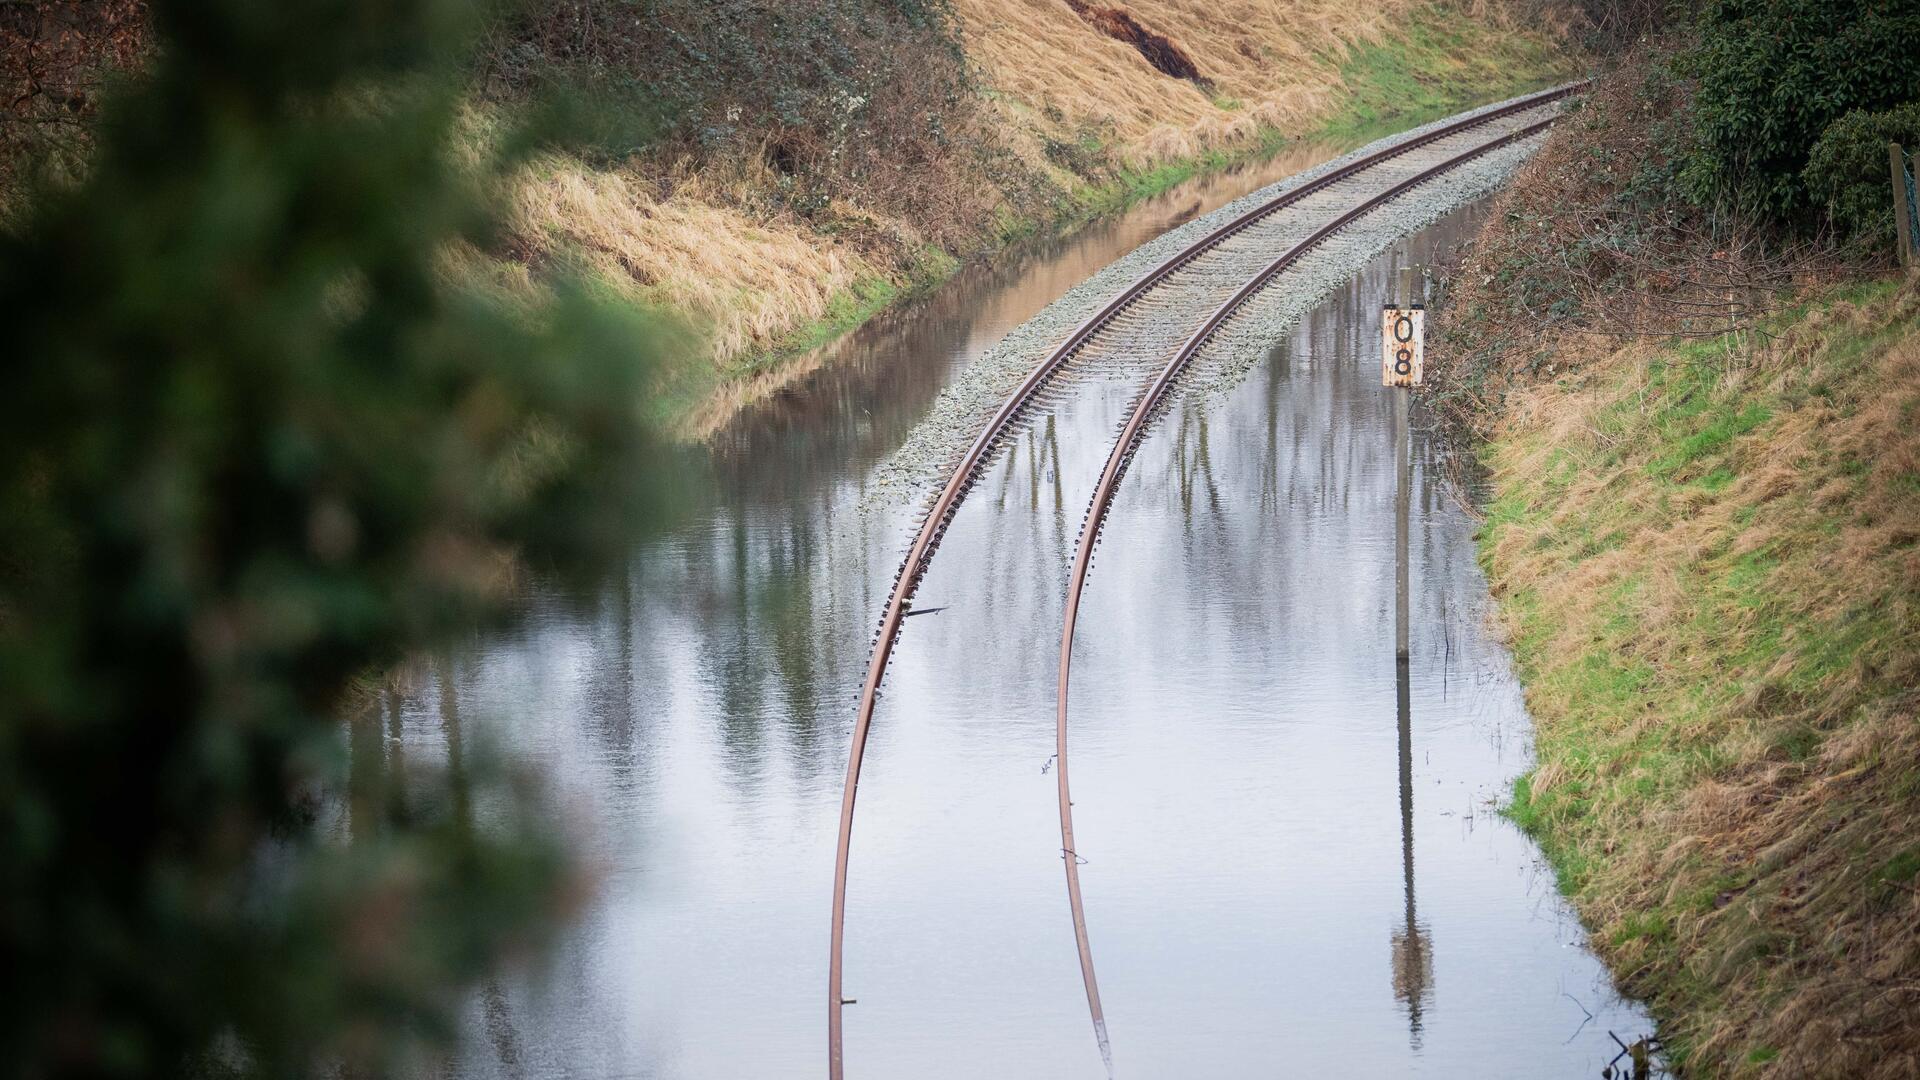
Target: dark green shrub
{"x":1773,"y":74}
{"x":1847,"y":174}
{"x":252,"y":444}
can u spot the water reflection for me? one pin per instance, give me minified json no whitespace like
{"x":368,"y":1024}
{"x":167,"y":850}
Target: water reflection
{"x":500,"y":1031}
{"x":875,"y":384}
{"x":1412,"y":952}
{"x":1245,"y":843}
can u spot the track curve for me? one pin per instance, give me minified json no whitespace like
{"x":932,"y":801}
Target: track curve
{"x":977,"y":456}
{"x":1124,"y":447}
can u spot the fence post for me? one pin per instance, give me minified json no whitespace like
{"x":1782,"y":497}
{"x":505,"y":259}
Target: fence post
{"x":1902,"y":215}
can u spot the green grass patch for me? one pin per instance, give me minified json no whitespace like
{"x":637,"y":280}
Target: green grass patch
{"x":1131,"y":186}
{"x":1900,"y":869}
{"x":1683,"y":633}
{"x":1438,"y":65}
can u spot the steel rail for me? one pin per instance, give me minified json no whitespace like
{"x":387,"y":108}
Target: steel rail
{"x":1124,"y":448}
{"x":967,"y":470}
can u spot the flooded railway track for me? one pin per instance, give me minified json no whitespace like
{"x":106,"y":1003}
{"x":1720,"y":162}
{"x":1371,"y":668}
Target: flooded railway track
{"x":1125,"y":445}
{"x":1144,"y":322}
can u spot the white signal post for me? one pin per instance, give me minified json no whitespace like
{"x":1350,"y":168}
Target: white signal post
{"x":1403,"y":326}
{"x":1403,"y":357}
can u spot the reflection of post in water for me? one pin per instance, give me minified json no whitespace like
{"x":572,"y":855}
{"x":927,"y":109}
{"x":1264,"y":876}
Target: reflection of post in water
{"x":1052,"y":443}
{"x":1193,"y":464}
{"x":1033,"y":470}
{"x":1013,"y":471}
{"x":1412,"y":950}
{"x":1277,"y":358}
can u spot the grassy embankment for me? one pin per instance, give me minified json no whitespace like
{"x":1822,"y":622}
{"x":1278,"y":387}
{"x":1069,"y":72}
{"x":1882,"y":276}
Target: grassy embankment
{"x":1708,"y":564}
{"x":1082,"y":118}
{"x":1433,"y":65}
{"x":777,"y":176}
{"x":1706,"y":548}
{"x":1427,"y":65}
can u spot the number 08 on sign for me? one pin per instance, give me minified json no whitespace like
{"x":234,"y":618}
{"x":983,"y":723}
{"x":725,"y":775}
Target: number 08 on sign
{"x":1403,"y":331}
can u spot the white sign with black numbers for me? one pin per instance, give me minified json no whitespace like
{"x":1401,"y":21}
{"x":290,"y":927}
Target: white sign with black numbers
{"x":1403,"y":331}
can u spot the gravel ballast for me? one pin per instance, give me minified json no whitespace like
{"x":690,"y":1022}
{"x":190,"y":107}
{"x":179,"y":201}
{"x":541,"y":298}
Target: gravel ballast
{"x":922,"y":462}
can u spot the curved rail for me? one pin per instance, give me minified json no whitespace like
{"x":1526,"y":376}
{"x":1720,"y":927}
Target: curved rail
{"x":967,"y":471}
{"x":1124,"y":448}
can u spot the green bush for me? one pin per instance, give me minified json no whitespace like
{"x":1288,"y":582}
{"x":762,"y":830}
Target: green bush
{"x":1772,"y":75}
{"x":1847,"y":174}
{"x":253,"y":443}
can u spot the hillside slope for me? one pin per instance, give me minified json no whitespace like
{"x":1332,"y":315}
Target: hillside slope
{"x":1704,"y":536}
{"x":776,"y":171}
{"x":1709,"y":566}
{"x":774,"y":236}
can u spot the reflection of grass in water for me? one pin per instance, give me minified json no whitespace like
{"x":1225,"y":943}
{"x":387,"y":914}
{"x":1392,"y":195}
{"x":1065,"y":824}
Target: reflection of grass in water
{"x":789,"y":607}
{"x":771,"y":598}
{"x":1709,"y":563}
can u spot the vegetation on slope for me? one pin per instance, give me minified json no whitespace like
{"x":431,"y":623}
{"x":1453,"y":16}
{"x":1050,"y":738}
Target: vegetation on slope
{"x":56,"y":56}
{"x":1773,"y":76}
{"x":776,"y":171}
{"x":777,"y":225}
{"x":1436,"y":63}
{"x":1709,"y":561}
{"x":1706,"y":506}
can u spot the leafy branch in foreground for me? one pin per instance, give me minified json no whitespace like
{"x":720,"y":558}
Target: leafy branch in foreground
{"x":254,"y":441}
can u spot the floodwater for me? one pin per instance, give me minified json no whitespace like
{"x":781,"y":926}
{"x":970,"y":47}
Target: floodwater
{"x":1294,"y":867}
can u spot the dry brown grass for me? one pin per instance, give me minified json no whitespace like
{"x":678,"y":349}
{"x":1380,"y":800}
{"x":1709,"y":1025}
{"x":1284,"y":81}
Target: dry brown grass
{"x":704,"y":241}
{"x":1273,"y":64}
{"x":825,"y":153}
{"x":744,"y":278}
{"x":1065,"y":114}
{"x":1709,"y":562}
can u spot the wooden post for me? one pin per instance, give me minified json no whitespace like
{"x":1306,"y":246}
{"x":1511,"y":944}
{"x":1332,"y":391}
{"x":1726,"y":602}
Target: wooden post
{"x":1902,"y":217}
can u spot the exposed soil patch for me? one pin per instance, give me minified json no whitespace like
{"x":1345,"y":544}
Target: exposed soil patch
{"x":1162,"y":52}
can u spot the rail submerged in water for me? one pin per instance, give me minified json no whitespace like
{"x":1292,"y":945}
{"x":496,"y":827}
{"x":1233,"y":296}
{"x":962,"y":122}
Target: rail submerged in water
{"x":968,"y":469}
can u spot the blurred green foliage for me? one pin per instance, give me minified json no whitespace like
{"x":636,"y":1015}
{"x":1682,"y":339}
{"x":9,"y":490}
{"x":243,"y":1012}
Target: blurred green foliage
{"x":255,"y":440}
{"x":1772,"y":75}
{"x":1848,"y":176}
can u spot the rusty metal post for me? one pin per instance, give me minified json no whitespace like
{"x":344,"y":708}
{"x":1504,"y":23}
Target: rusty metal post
{"x":1902,"y":213}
